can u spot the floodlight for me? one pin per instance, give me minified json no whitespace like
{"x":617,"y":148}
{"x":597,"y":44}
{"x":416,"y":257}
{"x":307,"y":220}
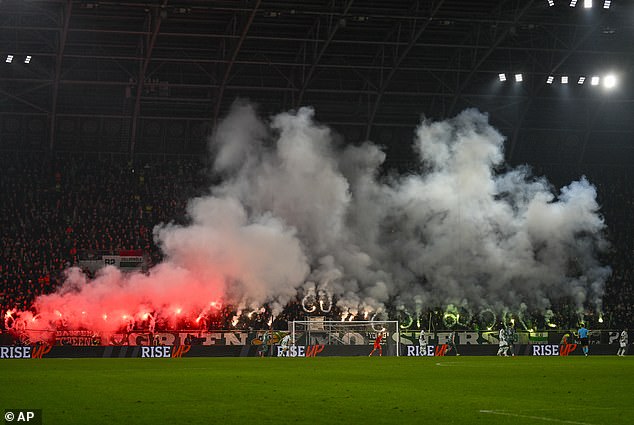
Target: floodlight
{"x":27,"y":59}
{"x":551,"y":3}
{"x":9,"y":59}
{"x":564,"y":79}
{"x":581,"y":80}
{"x":594,"y":81}
{"x":502,"y":77}
{"x":519,"y":78}
{"x":606,"y":4}
{"x":550,"y":79}
{"x":609,"y":81}
{"x":573,"y":3}
{"x":587,"y":4}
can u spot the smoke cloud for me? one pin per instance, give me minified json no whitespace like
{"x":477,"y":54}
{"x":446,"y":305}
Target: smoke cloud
{"x":299,"y":212}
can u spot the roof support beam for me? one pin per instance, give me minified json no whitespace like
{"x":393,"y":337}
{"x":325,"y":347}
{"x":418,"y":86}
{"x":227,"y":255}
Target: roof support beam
{"x":141,"y":80}
{"x":52,"y":122}
{"x":26,"y":102}
{"x":554,"y":70}
{"x":324,"y":46}
{"x":232,"y":61}
{"x":590,"y":127}
{"x":395,"y":68}
{"x":528,"y":6}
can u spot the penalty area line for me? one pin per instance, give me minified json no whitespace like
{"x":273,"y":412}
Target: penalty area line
{"x":539,"y":418}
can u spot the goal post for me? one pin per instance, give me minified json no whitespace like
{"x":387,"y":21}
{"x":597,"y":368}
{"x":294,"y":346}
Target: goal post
{"x":361,"y":333}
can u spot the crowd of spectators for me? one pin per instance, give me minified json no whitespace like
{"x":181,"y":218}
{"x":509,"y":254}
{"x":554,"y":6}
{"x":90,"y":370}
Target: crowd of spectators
{"x":615,"y":194}
{"x":54,"y":207}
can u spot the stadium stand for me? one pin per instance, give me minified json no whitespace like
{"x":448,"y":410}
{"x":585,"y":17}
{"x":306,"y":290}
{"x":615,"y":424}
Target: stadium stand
{"x":56,"y":206}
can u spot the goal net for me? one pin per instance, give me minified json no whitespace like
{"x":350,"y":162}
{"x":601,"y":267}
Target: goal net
{"x":362,"y":333}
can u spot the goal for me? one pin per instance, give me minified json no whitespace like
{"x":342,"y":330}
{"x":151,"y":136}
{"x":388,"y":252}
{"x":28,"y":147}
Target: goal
{"x":362,"y":333}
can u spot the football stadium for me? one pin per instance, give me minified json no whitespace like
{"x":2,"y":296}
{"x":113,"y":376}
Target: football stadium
{"x":319,"y":211}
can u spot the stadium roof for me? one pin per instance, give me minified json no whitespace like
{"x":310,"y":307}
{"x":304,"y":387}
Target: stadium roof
{"x":370,"y":68}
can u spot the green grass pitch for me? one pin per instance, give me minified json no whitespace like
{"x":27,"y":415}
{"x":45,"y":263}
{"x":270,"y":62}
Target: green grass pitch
{"x":335,"y":390}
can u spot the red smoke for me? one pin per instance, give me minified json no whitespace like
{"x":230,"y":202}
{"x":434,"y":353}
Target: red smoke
{"x":114,"y":299}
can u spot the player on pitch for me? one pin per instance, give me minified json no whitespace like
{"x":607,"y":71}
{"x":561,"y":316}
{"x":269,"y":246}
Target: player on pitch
{"x":583,"y":339}
{"x":286,"y":342}
{"x":622,"y":343}
{"x":377,"y":344}
{"x":422,"y":341}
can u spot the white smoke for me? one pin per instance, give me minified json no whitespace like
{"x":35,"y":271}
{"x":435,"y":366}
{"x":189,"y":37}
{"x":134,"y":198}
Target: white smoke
{"x":298,"y":213}
{"x":457,"y":233}
{"x":258,"y":258}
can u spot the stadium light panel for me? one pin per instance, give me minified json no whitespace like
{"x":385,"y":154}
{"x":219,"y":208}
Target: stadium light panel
{"x":550,"y":79}
{"x":502,"y":77}
{"x":606,"y":4}
{"x":9,"y":59}
{"x":27,"y":59}
{"x":573,"y":3}
{"x":564,"y":79}
{"x":587,"y":4}
{"x":581,"y":80}
{"x":551,"y":3}
{"x":594,"y":81}
{"x":519,"y":78}
{"x":609,"y":81}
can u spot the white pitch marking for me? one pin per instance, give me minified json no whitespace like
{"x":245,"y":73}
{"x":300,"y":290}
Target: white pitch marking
{"x":540,"y":418}
{"x":464,"y":364}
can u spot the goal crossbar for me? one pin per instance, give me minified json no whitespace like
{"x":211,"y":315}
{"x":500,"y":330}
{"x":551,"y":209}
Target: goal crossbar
{"x":333,"y":332}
